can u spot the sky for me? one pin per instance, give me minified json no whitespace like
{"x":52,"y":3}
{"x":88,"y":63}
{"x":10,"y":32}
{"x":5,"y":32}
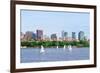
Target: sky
{"x":55,"y":22}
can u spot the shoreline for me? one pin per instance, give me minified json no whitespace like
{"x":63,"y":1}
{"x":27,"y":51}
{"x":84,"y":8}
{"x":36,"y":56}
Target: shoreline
{"x":53,"y":47}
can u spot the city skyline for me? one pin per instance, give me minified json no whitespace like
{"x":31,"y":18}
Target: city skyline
{"x":55,"y":22}
{"x":39,"y":34}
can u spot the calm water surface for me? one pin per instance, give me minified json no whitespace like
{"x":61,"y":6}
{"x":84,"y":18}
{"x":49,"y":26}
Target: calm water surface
{"x":53,"y":54}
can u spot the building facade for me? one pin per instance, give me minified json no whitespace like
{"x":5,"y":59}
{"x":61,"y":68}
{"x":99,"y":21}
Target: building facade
{"x":39,"y":34}
{"x":81,"y":35}
{"x":54,"y":37}
{"x":28,"y":35}
{"x":34,"y":36}
{"x":73,"y":35}
{"x":64,"y":35}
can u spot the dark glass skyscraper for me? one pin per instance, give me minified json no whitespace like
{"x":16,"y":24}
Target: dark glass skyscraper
{"x":34,"y":36}
{"x":64,"y":34}
{"x":73,"y":35}
{"x":39,"y":34}
{"x":54,"y":37}
{"x":81,"y":35}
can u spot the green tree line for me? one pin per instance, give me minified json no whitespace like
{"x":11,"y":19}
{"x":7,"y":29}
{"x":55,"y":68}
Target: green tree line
{"x":81,"y":43}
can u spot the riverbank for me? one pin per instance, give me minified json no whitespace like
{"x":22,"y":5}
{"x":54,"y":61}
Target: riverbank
{"x":49,"y":44}
{"x":53,"y":47}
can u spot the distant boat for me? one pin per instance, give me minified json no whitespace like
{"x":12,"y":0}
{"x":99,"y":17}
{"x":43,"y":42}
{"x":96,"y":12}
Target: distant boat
{"x":42,"y":49}
{"x":70,"y":48}
{"x":64,"y":47}
{"x":57,"y":46}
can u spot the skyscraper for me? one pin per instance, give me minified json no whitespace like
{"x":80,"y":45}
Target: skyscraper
{"x":81,"y":35}
{"x":53,"y":37}
{"x":34,"y":36}
{"x":39,"y":34}
{"x":64,"y":34}
{"x":28,"y":35}
{"x":73,"y":35}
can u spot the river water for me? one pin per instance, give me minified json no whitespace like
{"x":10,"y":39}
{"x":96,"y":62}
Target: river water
{"x":53,"y":54}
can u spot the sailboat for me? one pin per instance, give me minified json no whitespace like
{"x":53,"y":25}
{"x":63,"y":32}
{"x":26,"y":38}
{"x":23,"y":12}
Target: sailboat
{"x":70,"y":48}
{"x":64,"y":47}
{"x":57,"y":46}
{"x":42,"y":49}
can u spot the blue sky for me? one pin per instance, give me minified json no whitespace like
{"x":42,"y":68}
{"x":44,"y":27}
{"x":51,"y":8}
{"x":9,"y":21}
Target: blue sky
{"x":55,"y":22}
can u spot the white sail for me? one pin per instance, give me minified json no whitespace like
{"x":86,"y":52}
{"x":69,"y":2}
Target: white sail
{"x":64,"y":47}
{"x":57,"y":46}
{"x":70,"y":48}
{"x":42,"y":49}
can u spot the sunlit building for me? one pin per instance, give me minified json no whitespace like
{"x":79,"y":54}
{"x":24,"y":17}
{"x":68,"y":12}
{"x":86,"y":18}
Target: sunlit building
{"x":28,"y":35}
{"x":46,"y":38}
